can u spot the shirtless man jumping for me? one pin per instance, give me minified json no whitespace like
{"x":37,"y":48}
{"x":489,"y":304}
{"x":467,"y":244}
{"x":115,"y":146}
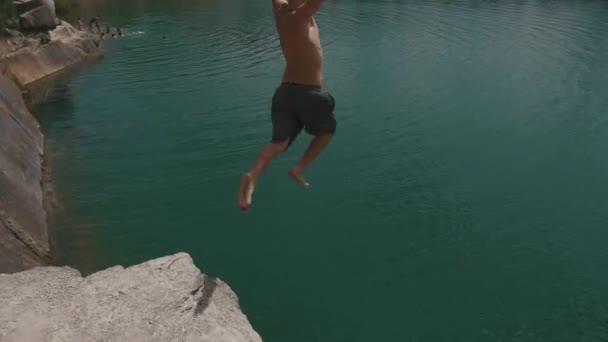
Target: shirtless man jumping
{"x":300,"y":101}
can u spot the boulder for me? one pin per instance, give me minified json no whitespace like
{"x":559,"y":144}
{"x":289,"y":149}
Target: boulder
{"x":165,"y":299}
{"x":42,"y":17}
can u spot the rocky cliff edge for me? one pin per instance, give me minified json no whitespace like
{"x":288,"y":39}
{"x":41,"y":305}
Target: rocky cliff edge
{"x":165,"y":299}
{"x":28,"y":58}
{"x":24,"y":240}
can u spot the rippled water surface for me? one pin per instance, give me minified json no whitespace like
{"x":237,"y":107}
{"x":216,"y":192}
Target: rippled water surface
{"x":464,"y":197}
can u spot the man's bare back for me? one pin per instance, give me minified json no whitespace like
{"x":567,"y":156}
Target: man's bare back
{"x":299,"y":37}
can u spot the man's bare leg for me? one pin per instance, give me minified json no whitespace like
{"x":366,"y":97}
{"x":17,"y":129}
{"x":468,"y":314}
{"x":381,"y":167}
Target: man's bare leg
{"x":267,"y":154}
{"x":317,"y":145}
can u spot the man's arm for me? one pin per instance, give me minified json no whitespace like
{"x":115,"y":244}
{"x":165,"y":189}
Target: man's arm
{"x":307,"y":9}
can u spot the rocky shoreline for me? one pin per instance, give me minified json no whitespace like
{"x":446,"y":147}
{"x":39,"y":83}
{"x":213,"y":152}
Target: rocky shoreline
{"x":29,"y":58}
{"x":24,"y":59}
{"x":166,"y":299}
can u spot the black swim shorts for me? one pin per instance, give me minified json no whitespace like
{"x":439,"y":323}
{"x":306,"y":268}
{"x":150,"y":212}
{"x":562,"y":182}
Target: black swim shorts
{"x":298,"y":106}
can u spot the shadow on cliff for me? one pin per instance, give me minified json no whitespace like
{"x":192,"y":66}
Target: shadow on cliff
{"x":72,"y":240}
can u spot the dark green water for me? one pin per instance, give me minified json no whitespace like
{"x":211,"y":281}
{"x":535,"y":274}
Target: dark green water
{"x":463,"y":199}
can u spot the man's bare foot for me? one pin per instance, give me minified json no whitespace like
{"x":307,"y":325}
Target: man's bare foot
{"x":299,"y":178}
{"x":246,"y":191}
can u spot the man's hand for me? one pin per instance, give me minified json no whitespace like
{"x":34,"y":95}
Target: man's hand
{"x":306,"y":9}
{"x":280,"y":6}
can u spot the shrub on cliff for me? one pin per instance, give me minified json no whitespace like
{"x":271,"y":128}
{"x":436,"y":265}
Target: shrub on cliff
{"x":7,"y":13}
{"x":65,"y":7}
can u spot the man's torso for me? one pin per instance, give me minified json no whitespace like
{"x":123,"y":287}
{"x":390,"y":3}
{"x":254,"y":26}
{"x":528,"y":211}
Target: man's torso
{"x":302,"y":50}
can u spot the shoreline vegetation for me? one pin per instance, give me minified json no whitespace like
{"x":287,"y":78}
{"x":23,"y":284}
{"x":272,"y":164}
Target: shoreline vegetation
{"x":65,"y":7}
{"x":9,"y":13}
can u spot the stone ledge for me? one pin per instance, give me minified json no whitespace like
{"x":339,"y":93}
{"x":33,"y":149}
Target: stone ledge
{"x":165,"y":299}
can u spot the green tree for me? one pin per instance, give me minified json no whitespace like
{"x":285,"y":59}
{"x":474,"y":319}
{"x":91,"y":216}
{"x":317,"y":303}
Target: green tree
{"x":65,"y":7}
{"x":7,"y":12}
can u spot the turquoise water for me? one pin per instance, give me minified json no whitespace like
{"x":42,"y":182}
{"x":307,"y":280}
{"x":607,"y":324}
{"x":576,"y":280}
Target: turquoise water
{"x":463,"y":198}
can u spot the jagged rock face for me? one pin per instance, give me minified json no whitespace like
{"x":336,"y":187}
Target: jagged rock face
{"x":41,"y":57}
{"x":42,"y":17}
{"x":24,"y":239}
{"x":166,"y":299}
